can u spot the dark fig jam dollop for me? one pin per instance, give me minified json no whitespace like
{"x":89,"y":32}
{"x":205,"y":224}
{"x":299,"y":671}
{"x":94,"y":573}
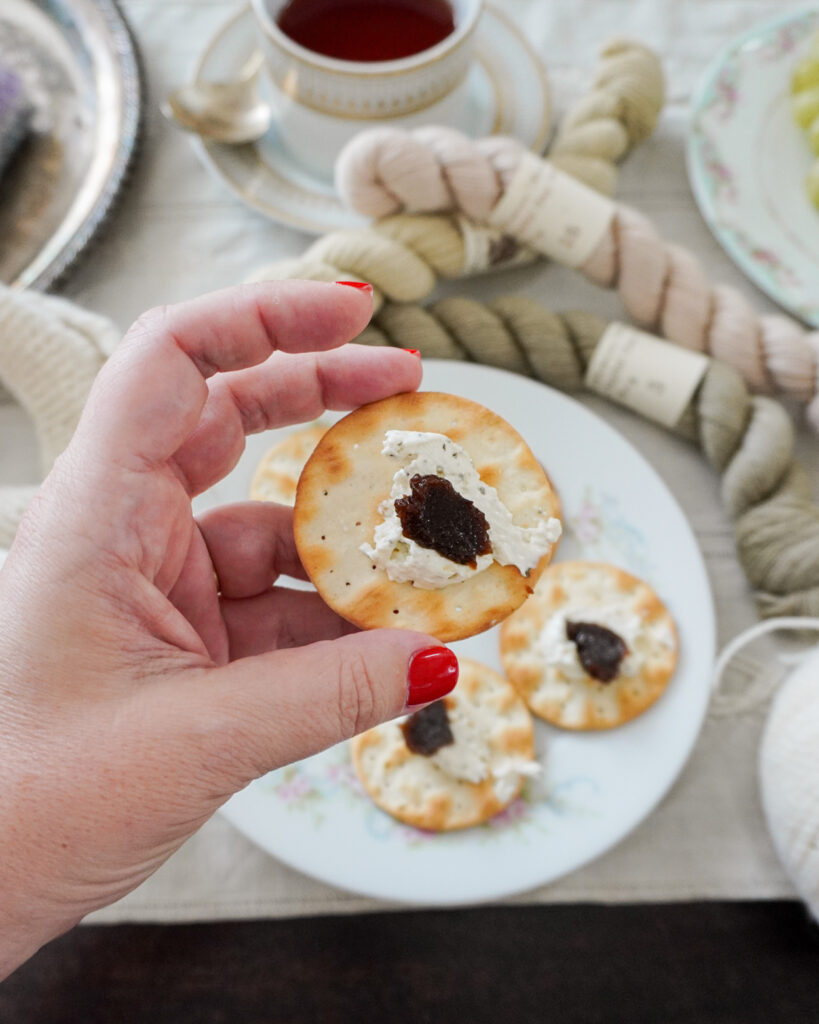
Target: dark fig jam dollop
{"x":435,"y":516}
{"x":428,"y":730}
{"x":601,"y":651}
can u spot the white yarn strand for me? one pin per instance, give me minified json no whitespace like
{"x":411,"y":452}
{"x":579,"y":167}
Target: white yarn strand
{"x":747,"y":636}
{"x":766,"y":678}
{"x":788,"y":765}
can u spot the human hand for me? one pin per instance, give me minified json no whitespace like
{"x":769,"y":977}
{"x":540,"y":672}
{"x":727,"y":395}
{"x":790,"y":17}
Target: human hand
{"x":137,"y":693}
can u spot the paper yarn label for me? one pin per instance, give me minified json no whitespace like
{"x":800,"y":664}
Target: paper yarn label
{"x":553,"y":212}
{"x":488,"y":248}
{"x":644,"y":373}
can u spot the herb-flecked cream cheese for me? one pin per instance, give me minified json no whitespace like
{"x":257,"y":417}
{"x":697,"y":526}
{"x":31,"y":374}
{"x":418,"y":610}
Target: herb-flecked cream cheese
{"x":405,"y":561}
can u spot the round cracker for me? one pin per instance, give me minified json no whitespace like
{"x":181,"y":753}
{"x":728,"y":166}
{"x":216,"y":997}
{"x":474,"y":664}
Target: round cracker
{"x":277,"y":474}
{"x":415,"y":790}
{"x":586,"y":703}
{"x":347,"y":478}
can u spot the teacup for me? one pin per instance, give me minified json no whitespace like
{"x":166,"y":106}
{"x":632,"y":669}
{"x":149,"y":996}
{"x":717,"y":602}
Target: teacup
{"x":321,"y":102}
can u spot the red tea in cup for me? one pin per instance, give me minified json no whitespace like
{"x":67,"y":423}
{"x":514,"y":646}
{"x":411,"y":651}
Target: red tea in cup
{"x":367,"y":30}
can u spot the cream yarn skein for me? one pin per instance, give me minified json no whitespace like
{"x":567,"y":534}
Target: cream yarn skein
{"x":402,"y":257}
{"x":789,"y":778}
{"x":599,"y":129}
{"x":747,"y":439}
{"x":787,"y":766}
{"x":50,"y":353}
{"x":663,"y":287}
{"x":620,"y":111}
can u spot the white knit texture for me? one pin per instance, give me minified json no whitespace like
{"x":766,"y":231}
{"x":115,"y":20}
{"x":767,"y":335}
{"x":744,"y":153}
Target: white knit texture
{"x":50,"y":353}
{"x":789,"y":778}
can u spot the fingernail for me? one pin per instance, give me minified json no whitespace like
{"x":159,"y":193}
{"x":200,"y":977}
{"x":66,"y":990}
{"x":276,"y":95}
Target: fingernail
{"x":432,"y":673}
{"x":413,"y":352}
{"x":363,"y":285}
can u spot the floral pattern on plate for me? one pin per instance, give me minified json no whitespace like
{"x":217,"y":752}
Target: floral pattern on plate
{"x":309,"y":787}
{"x":604,"y":533}
{"x":600,"y":530}
{"x":748,"y":160}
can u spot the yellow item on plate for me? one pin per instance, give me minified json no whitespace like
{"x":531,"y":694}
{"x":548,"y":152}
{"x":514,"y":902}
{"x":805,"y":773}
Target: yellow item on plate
{"x":805,"y":107}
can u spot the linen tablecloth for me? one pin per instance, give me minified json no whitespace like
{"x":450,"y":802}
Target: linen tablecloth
{"x":179,"y":232}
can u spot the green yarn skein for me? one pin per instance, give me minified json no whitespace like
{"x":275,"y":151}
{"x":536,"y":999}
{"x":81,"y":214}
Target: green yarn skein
{"x":747,"y":438}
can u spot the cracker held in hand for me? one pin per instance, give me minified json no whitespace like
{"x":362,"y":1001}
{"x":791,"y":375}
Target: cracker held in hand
{"x":408,"y":507}
{"x":277,"y":475}
{"x":592,"y":648}
{"x":479,"y":747}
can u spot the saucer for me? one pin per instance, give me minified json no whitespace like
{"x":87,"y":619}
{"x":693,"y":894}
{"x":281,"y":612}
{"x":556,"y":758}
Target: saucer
{"x":507,"y":93}
{"x":748,"y":160}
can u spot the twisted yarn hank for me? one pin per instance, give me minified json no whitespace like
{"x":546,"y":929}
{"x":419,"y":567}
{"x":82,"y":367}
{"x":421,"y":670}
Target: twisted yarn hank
{"x":663,"y":287}
{"x":50,"y":353}
{"x":620,"y":111}
{"x":747,"y":439}
{"x":789,"y":778}
{"x":402,"y":257}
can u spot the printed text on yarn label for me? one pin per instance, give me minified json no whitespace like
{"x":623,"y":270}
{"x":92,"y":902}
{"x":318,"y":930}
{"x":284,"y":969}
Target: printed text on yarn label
{"x":487,"y":248}
{"x":553,"y":212}
{"x":644,"y":373}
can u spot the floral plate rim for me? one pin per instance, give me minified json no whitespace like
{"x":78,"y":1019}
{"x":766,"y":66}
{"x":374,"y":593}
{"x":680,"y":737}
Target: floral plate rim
{"x":709,"y":175}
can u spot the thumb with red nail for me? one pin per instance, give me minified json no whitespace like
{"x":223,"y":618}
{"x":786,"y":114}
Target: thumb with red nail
{"x":151,"y":663}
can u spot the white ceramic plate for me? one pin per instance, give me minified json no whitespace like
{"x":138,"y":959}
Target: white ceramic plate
{"x":596,"y":788}
{"x":507,"y":93}
{"x":748,"y":160}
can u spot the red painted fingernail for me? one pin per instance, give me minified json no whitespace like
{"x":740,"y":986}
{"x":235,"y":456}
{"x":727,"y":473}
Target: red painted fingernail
{"x":432,"y":673}
{"x":363,"y":285}
{"x":413,"y":352}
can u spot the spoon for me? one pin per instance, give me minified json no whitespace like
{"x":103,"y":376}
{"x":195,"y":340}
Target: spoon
{"x":229,"y":112}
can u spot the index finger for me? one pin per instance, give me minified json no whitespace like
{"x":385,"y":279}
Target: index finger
{"x":286,"y":389}
{"x":148,"y":398}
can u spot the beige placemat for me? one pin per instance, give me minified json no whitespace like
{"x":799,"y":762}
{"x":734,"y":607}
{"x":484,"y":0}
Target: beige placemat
{"x":179,"y":233}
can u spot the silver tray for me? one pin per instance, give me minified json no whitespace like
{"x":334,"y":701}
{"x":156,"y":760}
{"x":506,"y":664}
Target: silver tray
{"x":80,"y":70}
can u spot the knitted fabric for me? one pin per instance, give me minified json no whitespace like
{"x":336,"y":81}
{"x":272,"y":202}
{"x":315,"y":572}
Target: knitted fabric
{"x":50,"y":352}
{"x":789,"y":778}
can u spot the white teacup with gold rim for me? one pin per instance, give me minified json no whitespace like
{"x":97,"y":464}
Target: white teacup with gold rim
{"x":320,"y":102}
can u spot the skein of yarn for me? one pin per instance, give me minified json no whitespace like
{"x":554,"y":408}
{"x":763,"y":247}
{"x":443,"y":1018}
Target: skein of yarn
{"x":747,"y":439}
{"x":597,"y":131}
{"x":620,"y":111}
{"x":789,"y":778}
{"x":50,"y":376}
{"x":403,"y":257}
{"x":787,"y":766}
{"x":663,"y":287}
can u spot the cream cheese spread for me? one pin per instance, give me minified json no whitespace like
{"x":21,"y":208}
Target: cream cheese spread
{"x":428,"y":454}
{"x":470,"y":758}
{"x":556,"y":648}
